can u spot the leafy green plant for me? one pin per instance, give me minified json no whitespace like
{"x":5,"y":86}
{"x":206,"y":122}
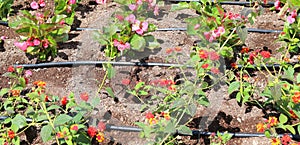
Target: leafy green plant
{"x":219,"y":139}
{"x":57,"y":118}
{"x":5,"y":9}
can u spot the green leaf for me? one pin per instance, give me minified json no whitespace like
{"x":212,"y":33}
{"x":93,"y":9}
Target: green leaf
{"x":139,"y":85}
{"x":234,"y":86}
{"x":180,"y":6}
{"x":185,"y":130}
{"x":52,"y":107}
{"x":238,"y":97}
{"x":283,"y":119}
{"x":111,"y":72}
{"x":110,"y":92}
{"x":267,"y":134}
{"x":19,"y":120}
{"x":137,"y":42}
{"x":242,"y":33}
{"x":291,"y":129}
{"x":95,"y":101}
{"x":62,"y":119}
{"x":170,"y":127}
{"x":46,"y":132}
{"x":289,"y":73}
{"x":4,"y":91}
{"x":143,"y":93}
{"x":298,"y":78}
{"x":83,"y":139}
{"x":22,"y":82}
{"x":151,"y":42}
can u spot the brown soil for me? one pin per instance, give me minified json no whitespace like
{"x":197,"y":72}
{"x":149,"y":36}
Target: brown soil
{"x":229,"y":116}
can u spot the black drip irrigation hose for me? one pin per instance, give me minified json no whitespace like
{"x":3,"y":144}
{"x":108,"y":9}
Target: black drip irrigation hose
{"x":253,"y":30}
{"x":269,"y":4}
{"x":100,"y":63}
{"x":194,"y":132}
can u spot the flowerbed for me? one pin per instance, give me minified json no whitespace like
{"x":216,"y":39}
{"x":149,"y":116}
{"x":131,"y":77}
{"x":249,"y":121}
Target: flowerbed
{"x":169,"y":104}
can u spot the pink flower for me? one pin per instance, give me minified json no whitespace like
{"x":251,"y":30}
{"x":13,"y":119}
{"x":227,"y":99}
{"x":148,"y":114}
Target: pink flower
{"x":42,"y":3}
{"x":197,"y":26}
{"x":69,"y":9}
{"x":290,"y":19}
{"x":130,"y":18}
{"x":22,"y":45}
{"x":119,"y":17}
{"x":140,"y":27}
{"x":221,"y":30}
{"x":265,"y":54}
{"x":3,"y":37}
{"x":213,"y":56}
{"x":139,"y":2}
{"x":206,"y":35}
{"x":45,"y":43}
{"x":62,"y":22}
{"x":28,"y":73}
{"x":34,"y":5}
{"x":121,"y":45}
{"x":101,"y":1}
{"x":277,"y":5}
{"x":156,"y":9}
{"x":215,"y":70}
{"x":36,"y":42}
{"x":72,"y":2}
{"x":132,"y":7}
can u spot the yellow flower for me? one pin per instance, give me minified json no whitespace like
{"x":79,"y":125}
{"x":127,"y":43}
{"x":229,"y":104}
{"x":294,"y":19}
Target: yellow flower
{"x":273,"y":121}
{"x":100,"y":137}
{"x":260,"y":127}
{"x":275,"y":141}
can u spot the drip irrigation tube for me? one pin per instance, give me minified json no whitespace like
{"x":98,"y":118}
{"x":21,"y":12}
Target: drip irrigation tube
{"x":194,"y":132}
{"x":269,"y":4}
{"x":254,"y":30}
{"x":99,"y":63}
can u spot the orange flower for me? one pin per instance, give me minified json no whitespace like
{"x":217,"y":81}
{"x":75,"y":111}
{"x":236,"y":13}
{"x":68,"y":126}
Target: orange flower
{"x":260,"y":127}
{"x":293,"y":115}
{"x":203,"y":54}
{"x":169,"y":50}
{"x":152,"y":121}
{"x":74,"y":127}
{"x":178,"y":49}
{"x":40,"y":83}
{"x":60,"y":135}
{"x":234,"y":65}
{"x":275,"y":141}
{"x":296,"y":97}
{"x":100,"y":137}
{"x":273,"y":121}
{"x":166,"y":115}
{"x":84,"y":96}
{"x":245,"y":50}
{"x":286,"y":59}
{"x":15,"y":92}
{"x":11,"y":134}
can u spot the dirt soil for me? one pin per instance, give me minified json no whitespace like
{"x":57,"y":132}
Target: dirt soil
{"x":228,"y":116}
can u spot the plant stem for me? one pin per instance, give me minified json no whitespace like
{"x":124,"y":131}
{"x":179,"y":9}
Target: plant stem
{"x":103,"y":81}
{"x":50,"y":120}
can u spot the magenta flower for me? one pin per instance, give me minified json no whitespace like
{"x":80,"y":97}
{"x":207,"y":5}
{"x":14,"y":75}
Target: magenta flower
{"x":221,"y":30}
{"x":119,"y":17}
{"x":130,"y":18}
{"x":42,"y":3}
{"x":21,"y":45}
{"x":71,"y":2}
{"x":208,"y":36}
{"x":121,"y":45}
{"x":140,"y":27}
{"x":45,"y":43}
{"x":101,"y":1}
{"x":34,"y":5}
{"x":132,"y":7}
{"x":292,"y":18}
{"x":277,"y":5}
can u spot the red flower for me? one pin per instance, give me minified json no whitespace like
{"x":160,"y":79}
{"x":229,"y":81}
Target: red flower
{"x":60,"y":135}
{"x":260,"y":127}
{"x":92,"y":131}
{"x":251,"y":57}
{"x":234,"y":65}
{"x":64,"y":101}
{"x":101,"y":126}
{"x":265,"y":54}
{"x":126,"y":81}
{"x":215,"y":70}
{"x":11,"y":69}
{"x":149,"y":115}
{"x":203,"y":54}
{"x":84,"y":97}
{"x":286,"y":139}
{"x":46,"y":98}
{"x":293,"y":115}
{"x":11,"y":134}
{"x":205,"y":66}
{"x":169,"y":50}
{"x":273,"y":121}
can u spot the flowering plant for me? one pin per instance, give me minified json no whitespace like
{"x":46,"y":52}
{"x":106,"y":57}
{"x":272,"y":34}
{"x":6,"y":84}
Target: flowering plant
{"x":219,"y":139}
{"x":57,"y":118}
{"x":129,"y":30}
